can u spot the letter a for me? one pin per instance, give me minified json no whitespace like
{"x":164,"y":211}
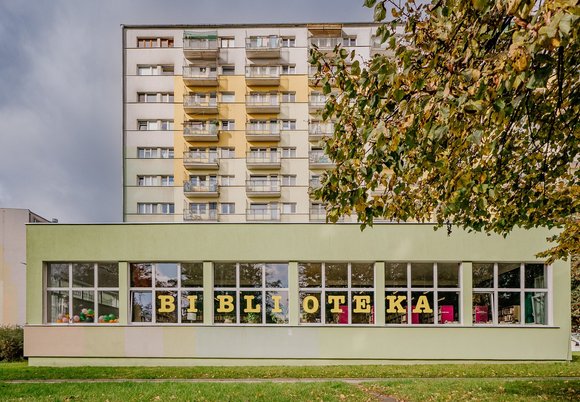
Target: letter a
{"x":422,"y":305}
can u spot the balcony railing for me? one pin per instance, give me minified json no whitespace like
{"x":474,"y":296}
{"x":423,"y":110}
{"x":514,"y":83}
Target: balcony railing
{"x":262,"y":131}
{"x":263,"y":75}
{"x":200,"y":160}
{"x":263,"y":47}
{"x":200,"y":76}
{"x":192,"y":216}
{"x":263,"y":160}
{"x":263,"y":214}
{"x":317,"y":213}
{"x":202,"y":189}
{"x":200,"y":45}
{"x":319,"y":130}
{"x":263,"y":103}
{"x":263,"y":187}
{"x":320,"y":160}
{"x":200,"y":104}
{"x":195,"y":131}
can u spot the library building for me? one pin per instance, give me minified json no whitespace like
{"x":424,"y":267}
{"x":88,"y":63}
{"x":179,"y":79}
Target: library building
{"x":290,"y":294}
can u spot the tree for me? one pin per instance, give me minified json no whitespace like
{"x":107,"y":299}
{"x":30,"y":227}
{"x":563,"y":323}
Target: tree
{"x":470,"y":119}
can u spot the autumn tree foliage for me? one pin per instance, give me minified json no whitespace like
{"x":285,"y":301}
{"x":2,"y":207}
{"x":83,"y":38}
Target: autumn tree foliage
{"x":469,"y":117}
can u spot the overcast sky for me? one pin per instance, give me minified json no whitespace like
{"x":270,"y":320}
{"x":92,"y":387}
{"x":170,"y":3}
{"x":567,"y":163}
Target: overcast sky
{"x":60,"y":91}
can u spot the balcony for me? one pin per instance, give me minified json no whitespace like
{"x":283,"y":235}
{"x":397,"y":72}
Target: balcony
{"x":263,"y":47}
{"x":263,"y":103}
{"x":314,"y":81}
{"x":263,"y":160}
{"x":317,"y":213}
{"x":316,"y":103}
{"x":263,"y":188}
{"x":263,"y":75}
{"x":200,"y":216}
{"x":203,"y":189}
{"x":319,"y":160}
{"x":200,"y":104}
{"x":325,"y":45}
{"x":263,"y":214}
{"x":200,"y":45}
{"x":319,"y":130}
{"x":200,"y":131}
{"x":200,"y":161}
{"x":266,"y":131}
{"x":200,"y":76}
{"x":315,"y":183}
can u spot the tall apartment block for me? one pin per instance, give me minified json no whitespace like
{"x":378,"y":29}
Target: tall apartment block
{"x":222,"y":123}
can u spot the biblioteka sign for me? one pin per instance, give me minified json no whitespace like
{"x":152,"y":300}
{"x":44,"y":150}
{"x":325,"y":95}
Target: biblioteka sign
{"x":310,"y":304}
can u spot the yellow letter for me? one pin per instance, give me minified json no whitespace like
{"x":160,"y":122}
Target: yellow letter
{"x":226,"y":303}
{"x":192,"y":299}
{"x":276,"y":299}
{"x":249,"y":308}
{"x":337,"y":300}
{"x":422,"y":305}
{"x":362,"y":304}
{"x":395,"y":305}
{"x":167,"y":303}
{"x":310,"y":300}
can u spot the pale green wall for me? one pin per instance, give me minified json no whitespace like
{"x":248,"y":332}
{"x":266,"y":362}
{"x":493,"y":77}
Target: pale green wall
{"x":288,"y":242}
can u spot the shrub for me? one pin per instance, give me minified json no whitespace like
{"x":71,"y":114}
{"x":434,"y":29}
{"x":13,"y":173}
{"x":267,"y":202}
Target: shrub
{"x":11,"y":343}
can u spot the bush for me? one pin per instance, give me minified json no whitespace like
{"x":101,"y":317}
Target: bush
{"x":11,"y":343}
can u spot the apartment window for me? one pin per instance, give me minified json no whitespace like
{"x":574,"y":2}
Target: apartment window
{"x":166,"y":293}
{"x":227,"y":42}
{"x":289,"y":208}
{"x":166,"y":42}
{"x":289,"y":69}
{"x":349,"y":41}
{"x":289,"y":152}
{"x":167,"y":70}
{"x":228,"y":125}
{"x":288,"y":96}
{"x":250,"y":293}
{"x":228,"y":208}
{"x":147,"y":153}
{"x":228,"y":153}
{"x":147,"y":97}
{"x":289,"y":180}
{"x":148,"y":208}
{"x":288,"y":124}
{"x":227,"y":181}
{"x":154,"y":42}
{"x":228,"y":97}
{"x":82,"y":293}
{"x":510,"y":293}
{"x":147,"y":125}
{"x":336,"y":293}
{"x":166,"y":125}
{"x":155,"y":70}
{"x":228,"y":70}
{"x":288,"y":42}
{"x":166,"y":153}
{"x":167,"y":181}
{"x":415,"y":291}
{"x":146,"y":181}
{"x":166,"y":97}
{"x":166,"y":208}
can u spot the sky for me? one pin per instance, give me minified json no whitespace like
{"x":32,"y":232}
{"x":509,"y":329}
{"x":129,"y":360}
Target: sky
{"x":60,"y":91}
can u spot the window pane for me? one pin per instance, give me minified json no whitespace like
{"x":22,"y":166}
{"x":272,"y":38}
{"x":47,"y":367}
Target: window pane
{"x":277,"y":307}
{"x":447,"y":275}
{"x":508,"y":275}
{"x":336,"y":308}
{"x":141,"y":306}
{"x":276,"y":275}
{"x":166,"y":275}
{"x":363,"y":307}
{"x":224,"y":307}
{"x":83,"y":306}
{"x":422,"y":308}
{"x":192,"y":307}
{"x":141,"y":275}
{"x":108,"y":306}
{"x":83,"y":275}
{"x":310,"y":311}
{"x":249,"y":302}
{"x":192,"y":275}
{"x":483,"y":308}
{"x":421,"y":275}
{"x":396,"y":274}
{"x":362,"y":275}
{"x":108,"y":276}
{"x":336,"y":275}
{"x":535,"y":276}
{"x":536,"y":308}
{"x":448,"y":307}
{"x":57,"y":275}
{"x":396,"y":307}
{"x":166,"y":307}
{"x":225,"y":275}
{"x":310,"y":275}
{"x":482,"y":275}
{"x":508,"y":307}
{"x":57,"y":306}
{"x":251,"y":275}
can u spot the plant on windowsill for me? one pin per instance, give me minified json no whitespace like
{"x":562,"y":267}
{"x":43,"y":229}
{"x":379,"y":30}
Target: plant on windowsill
{"x":253,"y":318}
